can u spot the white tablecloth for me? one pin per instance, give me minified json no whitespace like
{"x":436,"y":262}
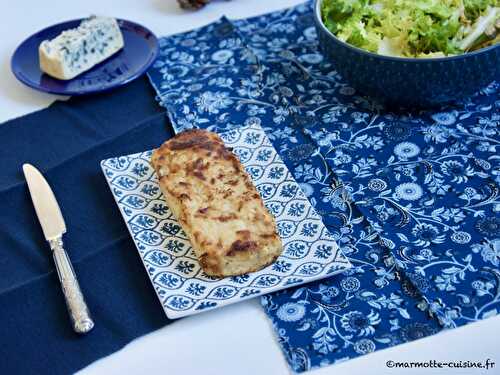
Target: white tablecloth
{"x":237,"y":339}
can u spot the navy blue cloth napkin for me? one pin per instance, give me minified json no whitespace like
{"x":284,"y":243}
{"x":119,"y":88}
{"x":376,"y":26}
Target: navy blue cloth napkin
{"x":67,"y":141}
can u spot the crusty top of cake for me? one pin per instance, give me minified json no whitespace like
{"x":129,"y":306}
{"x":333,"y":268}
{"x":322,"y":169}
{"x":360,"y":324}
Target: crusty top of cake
{"x":220,"y":203}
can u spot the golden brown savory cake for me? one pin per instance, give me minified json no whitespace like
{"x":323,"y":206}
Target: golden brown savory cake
{"x":216,"y":203}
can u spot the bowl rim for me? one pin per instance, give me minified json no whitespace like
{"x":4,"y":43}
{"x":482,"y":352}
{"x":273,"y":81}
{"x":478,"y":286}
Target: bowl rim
{"x":319,"y":22}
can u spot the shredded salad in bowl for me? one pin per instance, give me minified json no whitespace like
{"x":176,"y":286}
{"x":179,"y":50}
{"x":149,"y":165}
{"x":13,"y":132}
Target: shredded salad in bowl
{"x":414,"y":28}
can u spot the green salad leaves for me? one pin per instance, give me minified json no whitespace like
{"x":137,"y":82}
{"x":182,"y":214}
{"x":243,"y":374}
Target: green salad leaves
{"x":414,"y":28}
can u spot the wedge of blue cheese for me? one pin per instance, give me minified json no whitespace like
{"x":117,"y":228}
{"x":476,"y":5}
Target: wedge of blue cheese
{"x":77,"y":50}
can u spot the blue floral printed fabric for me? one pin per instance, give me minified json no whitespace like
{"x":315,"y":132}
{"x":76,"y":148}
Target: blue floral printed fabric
{"x":412,"y":198}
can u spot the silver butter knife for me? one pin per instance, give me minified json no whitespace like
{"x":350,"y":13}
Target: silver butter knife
{"x":53,"y":226}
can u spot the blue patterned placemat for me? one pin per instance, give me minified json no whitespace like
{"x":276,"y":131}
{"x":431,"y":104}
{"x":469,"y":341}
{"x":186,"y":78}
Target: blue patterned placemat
{"x":412,"y":198}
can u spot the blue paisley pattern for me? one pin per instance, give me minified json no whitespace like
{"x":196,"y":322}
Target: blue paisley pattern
{"x":411,"y":198}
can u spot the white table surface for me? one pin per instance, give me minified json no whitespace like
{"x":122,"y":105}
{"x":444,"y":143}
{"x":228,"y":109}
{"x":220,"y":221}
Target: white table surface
{"x":237,"y":339}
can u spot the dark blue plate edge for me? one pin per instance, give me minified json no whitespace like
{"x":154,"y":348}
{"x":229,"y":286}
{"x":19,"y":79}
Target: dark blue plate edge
{"x":134,"y":76}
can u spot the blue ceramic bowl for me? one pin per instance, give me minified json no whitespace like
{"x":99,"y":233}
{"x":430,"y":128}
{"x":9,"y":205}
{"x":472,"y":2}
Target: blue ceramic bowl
{"x":409,"y":82}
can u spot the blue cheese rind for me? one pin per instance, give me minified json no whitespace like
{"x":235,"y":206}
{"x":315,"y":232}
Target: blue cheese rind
{"x":77,"y":50}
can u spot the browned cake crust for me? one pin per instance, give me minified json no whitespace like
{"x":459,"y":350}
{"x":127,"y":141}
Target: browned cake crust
{"x":216,"y":203}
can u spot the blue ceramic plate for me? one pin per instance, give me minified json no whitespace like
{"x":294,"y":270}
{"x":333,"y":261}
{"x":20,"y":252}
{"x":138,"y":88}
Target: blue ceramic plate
{"x":309,"y":249}
{"x":139,"y":52}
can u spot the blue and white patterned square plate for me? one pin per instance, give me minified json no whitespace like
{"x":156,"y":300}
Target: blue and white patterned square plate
{"x":310,"y":252}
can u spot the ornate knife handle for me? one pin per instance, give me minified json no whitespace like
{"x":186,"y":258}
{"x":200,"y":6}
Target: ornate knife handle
{"x":77,"y":308}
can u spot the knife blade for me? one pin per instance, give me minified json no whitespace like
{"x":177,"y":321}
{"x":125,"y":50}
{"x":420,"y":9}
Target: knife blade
{"x":53,"y":227}
{"x":46,"y":207}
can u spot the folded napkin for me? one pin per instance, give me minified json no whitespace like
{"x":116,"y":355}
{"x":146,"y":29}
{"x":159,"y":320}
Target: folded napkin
{"x":412,"y":197}
{"x":67,"y":141}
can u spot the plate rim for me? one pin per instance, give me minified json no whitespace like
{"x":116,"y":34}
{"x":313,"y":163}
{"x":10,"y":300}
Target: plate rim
{"x":29,"y":83}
